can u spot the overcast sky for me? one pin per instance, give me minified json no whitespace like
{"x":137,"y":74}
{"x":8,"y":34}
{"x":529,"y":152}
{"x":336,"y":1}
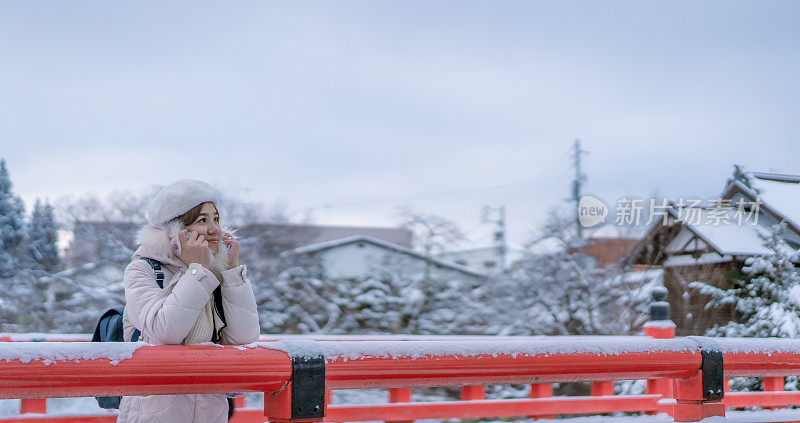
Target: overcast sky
{"x":368,"y":106}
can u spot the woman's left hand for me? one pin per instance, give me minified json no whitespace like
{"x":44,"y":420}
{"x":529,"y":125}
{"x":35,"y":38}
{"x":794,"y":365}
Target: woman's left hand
{"x":233,"y":249}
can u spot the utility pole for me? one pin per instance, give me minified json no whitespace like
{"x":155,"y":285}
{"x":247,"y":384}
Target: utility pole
{"x":500,"y":232}
{"x":577,"y":182}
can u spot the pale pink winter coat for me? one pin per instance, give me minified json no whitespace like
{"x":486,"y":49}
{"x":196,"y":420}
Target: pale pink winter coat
{"x":165,"y":316}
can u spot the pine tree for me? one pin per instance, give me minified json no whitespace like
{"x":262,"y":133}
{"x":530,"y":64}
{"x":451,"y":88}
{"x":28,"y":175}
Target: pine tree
{"x":767,"y":302}
{"x":12,"y":226}
{"x":42,"y":237}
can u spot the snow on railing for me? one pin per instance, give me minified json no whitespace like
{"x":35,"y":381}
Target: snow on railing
{"x":54,"y":369}
{"x":686,"y":377}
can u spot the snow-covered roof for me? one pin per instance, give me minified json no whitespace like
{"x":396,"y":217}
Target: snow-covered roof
{"x":780,"y":195}
{"x":718,"y":228}
{"x":321,"y":246}
{"x":731,"y":234}
{"x":728,"y":238}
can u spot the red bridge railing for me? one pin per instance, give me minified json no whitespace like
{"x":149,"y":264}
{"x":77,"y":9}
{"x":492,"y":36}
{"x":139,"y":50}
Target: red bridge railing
{"x":679,"y":372}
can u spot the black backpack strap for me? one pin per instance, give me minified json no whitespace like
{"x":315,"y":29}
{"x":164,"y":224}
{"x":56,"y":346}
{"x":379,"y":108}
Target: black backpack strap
{"x":156,"y":268}
{"x":159,"y":280}
{"x":220,"y":310}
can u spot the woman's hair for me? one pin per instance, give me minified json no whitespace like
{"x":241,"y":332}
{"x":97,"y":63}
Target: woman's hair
{"x":190,"y":216}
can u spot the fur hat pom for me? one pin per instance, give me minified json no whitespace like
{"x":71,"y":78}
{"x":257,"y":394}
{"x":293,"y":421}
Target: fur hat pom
{"x":179,"y":197}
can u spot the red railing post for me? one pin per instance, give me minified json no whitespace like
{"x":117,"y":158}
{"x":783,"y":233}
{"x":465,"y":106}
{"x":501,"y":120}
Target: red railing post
{"x":665,"y":388}
{"x":773,"y":384}
{"x":690,"y":402}
{"x":400,"y":395}
{"x":278,"y":405}
{"x":473,"y":392}
{"x":542,"y":390}
{"x":660,"y":327}
{"x":602,"y":389}
{"x":38,"y":405}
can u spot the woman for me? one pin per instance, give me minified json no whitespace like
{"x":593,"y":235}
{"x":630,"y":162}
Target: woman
{"x":197,"y":258}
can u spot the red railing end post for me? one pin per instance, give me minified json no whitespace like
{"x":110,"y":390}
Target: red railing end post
{"x":662,"y":330}
{"x":660,"y":326}
{"x":690,"y":403}
{"x":278,"y":405}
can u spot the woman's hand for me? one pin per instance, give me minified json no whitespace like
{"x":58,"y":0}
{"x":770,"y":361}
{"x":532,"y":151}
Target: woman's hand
{"x":233,"y":249}
{"x":194,"y":248}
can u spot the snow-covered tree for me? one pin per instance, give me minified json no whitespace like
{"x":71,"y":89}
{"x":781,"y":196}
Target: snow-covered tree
{"x":42,"y":238}
{"x":19,"y":291}
{"x":559,"y":290}
{"x":432,"y":233}
{"x":12,"y":226}
{"x":409,"y":300}
{"x":767,"y":301}
{"x":390,"y":298}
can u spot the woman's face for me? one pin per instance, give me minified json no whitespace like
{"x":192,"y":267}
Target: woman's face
{"x":207,"y":224}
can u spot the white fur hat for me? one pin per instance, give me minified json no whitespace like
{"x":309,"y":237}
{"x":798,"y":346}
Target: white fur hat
{"x":179,"y":197}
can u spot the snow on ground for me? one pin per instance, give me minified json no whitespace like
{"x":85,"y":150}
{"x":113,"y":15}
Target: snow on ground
{"x":9,"y":407}
{"x":59,"y":406}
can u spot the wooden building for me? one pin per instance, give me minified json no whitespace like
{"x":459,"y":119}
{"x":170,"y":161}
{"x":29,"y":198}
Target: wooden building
{"x":711,"y":243}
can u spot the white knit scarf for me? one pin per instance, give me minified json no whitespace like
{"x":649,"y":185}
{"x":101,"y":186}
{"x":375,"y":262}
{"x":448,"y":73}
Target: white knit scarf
{"x":208,"y":321}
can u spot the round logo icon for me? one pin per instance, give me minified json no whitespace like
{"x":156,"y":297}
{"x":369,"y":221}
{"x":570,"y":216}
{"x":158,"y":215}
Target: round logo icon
{"x":591,"y":211}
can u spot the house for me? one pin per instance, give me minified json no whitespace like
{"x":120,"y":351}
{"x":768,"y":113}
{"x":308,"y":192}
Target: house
{"x":489,"y":260}
{"x":353,"y":257}
{"x":711,"y":242}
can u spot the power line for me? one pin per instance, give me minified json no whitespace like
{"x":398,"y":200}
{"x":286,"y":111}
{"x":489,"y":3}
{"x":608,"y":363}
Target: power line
{"x":429,"y":195}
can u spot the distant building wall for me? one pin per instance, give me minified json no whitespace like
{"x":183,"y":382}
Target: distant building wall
{"x":360,"y":258}
{"x":486,"y":260}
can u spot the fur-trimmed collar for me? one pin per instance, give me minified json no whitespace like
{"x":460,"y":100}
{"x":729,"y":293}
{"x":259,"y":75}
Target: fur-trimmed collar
{"x":160,"y":242}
